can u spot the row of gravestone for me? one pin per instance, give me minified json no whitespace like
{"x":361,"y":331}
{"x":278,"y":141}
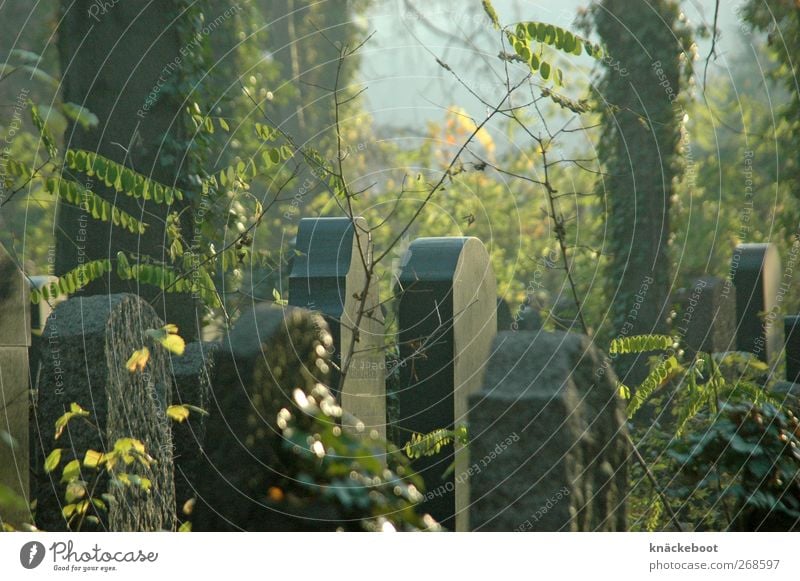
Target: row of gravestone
{"x":548,"y":447}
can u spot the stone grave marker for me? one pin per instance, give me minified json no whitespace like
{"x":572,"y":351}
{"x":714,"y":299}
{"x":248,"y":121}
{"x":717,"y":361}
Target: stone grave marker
{"x":329,"y":275}
{"x":756,"y":276}
{"x":547,"y":438}
{"x":88,"y":343}
{"x":269,"y":353}
{"x":791,"y":330}
{"x":15,"y":338}
{"x":504,"y":318}
{"x":707,"y":321}
{"x":447,"y":319}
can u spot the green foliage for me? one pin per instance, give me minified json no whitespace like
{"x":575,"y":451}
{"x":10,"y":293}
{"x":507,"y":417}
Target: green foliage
{"x":491,"y":13}
{"x":432,"y":443}
{"x":661,"y":373}
{"x":75,"y":194}
{"x":337,"y":467}
{"x":708,"y":455}
{"x":120,"y":178}
{"x":641,"y":344}
{"x":124,"y":465}
{"x":748,"y":458}
{"x":72,"y":281}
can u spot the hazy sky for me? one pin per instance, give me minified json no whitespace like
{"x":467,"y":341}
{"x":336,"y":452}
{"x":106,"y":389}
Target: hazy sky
{"x":406,"y":87}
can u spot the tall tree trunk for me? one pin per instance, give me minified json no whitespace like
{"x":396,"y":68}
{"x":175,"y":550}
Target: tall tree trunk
{"x":642,"y":85}
{"x":114,"y":57}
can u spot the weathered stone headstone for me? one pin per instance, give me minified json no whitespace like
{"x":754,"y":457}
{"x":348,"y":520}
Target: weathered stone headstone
{"x":192,"y":376}
{"x":447,"y":319}
{"x":707,"y":318}
{"x":329,"y":275}
{"x":269,"y":353}
{"x":89,"y":341}
{"x":15,"y":338}
{"x":791,"y":331}
{"x":547,"y":438}
{"x":756,"y":276}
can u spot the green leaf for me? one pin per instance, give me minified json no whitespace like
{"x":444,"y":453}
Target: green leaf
{"x":640,"y":344}
{"x":71,"y":471}
{"x":544,"y":70}
{"x":491,"y":13}
{"x":92,"y":459}
{"x":53,"y":460}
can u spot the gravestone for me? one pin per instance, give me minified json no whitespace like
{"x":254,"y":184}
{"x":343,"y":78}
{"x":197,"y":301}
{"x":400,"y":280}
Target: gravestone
{"x":756,"y":276}
{"x":447,"y":319}
{"x":329,"y":274}
{"x":270,"y":352}
{"x":39,"y":314}
{"x":192,"y":376}
{"x":791,"y":331}
{"x":707,"y":318}
{"x":547,"y":438}
{"x":15,"y":338}
{"x":89,"y":341}
{"x":504,"y":318}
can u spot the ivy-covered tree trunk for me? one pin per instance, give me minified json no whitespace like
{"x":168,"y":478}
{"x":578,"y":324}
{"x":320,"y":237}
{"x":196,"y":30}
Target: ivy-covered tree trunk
{"x":641,"y":89}
{"x":129,"y":63}
{"x":780,"y":19}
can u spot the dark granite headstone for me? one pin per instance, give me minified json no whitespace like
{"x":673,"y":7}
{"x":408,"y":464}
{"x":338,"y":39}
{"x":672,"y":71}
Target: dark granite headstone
{"x":88,"y":343}
{"x":447,"y":319}
{"x":504,"y":318}
{"x":15,"y":338}
{"x":791,"y":330}
{"x":270,"y":352}
{"x":547,"y":438}
{"x":329,"y":275}
{"x":707,"y":317}
{"x":756,"y":276}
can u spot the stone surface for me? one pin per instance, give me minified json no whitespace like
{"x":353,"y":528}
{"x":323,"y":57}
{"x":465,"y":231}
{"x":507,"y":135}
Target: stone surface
{"x":447,"y":319}
{"x":88,"y":343}
{"x":756,"y":276}
{"x":547,"y":438}
{"x":329,"y":275}
{"x":270,"y":352}
{"x":192,"y":376}
{"x":707,"y":317}
{"x":791,"y":331}
{"x":15,"y":338}
{"x":504,"y":318}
